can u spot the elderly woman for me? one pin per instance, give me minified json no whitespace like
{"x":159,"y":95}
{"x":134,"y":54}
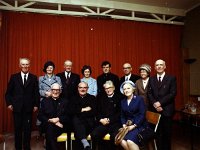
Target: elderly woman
{"x":142,"y":83}
{"x":47,"y":80}
{"x":132,"y":108}
{"x":92,"y":83}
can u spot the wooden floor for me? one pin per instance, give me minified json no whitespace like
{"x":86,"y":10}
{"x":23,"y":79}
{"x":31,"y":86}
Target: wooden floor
{"x":181,"y":139}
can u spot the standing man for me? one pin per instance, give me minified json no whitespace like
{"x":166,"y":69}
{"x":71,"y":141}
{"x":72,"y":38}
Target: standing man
{"x":128,"y":75}
{"x":107,"y":75}
{"x":69,"y":81}
{"x":22,"y":98}
{"x":162,"y":92}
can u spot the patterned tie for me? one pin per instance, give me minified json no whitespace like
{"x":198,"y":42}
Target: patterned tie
{"x":25,"y":79}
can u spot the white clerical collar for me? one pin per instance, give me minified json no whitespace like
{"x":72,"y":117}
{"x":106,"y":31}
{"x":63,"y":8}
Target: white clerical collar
{"x":110,"y":95}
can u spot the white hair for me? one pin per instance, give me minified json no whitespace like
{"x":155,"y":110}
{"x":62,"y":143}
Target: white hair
{"x":68,"y":62}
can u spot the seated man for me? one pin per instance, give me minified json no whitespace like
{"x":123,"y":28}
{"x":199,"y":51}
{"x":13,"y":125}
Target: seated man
{"x":108,"y":114}
{"x":53,"y":115}
{"x":83,"y":109}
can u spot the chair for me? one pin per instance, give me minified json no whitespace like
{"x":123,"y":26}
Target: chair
{"x":63,"y":138}
{"x":153,"y":118}
{"x":2,"y":140}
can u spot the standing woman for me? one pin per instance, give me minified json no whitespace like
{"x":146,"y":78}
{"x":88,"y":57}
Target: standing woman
{"x":142,"y":83}
{"x":132,"y":108}
{"x":92,"y":83}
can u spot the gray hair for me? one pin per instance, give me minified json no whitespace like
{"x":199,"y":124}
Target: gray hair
{"x":109,"y":83}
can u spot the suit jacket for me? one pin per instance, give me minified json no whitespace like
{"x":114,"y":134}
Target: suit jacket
{"x":51,"y":108}
{"x":69,"y":89}
{"x":92,"y":84}
{"x":45,"y":83}
{"x":165,"y":93}
{"x":141,"y":91}
{"x":105,"y":77}
{"x":135,"y":111}
{"x":78,"y":102}
{"x":109,"y":108}
{"x":22,"y":97}
{"x":133,"y":78}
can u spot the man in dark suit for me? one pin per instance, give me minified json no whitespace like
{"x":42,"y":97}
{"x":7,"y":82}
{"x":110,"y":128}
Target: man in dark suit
{"x":22,"y":98}
{"x":161,"y":93}
{"x":83,"y":110}
{"x":107,"y":75}
{"x":54,"y":116}
{"x":128,"y":75}
{"x":108,"y":116}
{"x":69,"y":81}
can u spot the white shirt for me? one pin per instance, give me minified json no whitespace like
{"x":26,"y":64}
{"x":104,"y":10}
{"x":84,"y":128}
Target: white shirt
{"x":22,"y":75}
{"x":128,"y":77}
{"x":161,"y":76}
{"x":67,"y":74}
{"x":145,"y":82}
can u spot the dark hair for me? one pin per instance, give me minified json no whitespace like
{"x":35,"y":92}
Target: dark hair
{"x":86,"y":67}
{"x":104,"y":63}
{"x":48,"y":63}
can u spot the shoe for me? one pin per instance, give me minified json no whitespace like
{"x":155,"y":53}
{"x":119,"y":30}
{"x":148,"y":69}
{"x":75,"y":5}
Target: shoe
{"x":87,"y":148}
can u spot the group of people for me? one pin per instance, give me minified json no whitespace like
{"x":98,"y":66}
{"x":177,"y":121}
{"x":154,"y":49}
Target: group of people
{"x":86,"y":106}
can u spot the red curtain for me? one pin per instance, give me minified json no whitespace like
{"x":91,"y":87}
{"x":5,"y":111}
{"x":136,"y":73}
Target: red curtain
{"x":84,"y":41}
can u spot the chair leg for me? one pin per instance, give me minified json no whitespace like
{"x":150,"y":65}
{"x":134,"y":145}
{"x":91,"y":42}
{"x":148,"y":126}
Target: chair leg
{"x":155,"y":144}
{"x":66,"y":145}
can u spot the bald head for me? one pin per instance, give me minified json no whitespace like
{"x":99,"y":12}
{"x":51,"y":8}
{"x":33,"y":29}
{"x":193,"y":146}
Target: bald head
{"x":127,"y":68}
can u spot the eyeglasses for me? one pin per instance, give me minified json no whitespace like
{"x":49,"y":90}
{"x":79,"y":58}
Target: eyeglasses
{"x":55,"y":90}
{"x":82,"y":87}
{"x":127,"y":68}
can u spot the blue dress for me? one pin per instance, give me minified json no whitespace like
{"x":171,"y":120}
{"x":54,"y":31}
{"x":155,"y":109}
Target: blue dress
{"x":135,"y":112}
{"x":92,"y":84}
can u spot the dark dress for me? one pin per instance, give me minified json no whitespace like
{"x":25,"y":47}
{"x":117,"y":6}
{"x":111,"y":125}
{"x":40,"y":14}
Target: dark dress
{"x":135,"y":112}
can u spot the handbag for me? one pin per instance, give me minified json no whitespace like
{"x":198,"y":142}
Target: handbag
{"x":146,"y":134}
{"x":122,"y":133}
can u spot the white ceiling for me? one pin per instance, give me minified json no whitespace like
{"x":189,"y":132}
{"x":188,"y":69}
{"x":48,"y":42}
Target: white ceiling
{"x":157,"y":11}
{"x":177,"y":4}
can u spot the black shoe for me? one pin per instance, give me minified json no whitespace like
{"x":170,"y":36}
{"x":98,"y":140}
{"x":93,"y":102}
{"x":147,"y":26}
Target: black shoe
{"x":87,"y":148}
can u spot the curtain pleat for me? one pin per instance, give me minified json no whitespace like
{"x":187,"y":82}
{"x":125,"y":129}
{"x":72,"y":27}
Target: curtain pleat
{"x":84,"y":40}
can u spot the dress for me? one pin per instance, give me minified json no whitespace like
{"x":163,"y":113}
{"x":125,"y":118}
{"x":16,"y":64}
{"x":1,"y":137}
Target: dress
{"x":92,"y":84}
{"x":135,"y":112}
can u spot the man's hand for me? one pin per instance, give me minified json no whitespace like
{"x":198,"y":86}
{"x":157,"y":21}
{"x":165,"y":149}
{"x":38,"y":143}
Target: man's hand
{"x":10,"y":107}
{"x":159,"y":109}
{"x":35,"y":109}
{"x":156,"y":105}
{"x":86,"y":109}
{"x":59,"y":124}
{"x":105,"y":121}
{"x":54,"y":120}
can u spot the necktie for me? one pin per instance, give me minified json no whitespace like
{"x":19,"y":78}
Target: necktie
{"x":159,"y":81}
{"x":25,"y":79}
{"x":67,"y":79}
{"x":126,"y":79}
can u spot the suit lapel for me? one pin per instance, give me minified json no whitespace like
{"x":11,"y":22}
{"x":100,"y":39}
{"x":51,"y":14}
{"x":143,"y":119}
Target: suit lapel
{"x":28,"y":80}
{"x":19,"y":77}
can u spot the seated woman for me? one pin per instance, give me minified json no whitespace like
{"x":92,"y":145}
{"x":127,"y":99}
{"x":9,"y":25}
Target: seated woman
{"x":92,"y":83}
{"x":132,"y":108}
